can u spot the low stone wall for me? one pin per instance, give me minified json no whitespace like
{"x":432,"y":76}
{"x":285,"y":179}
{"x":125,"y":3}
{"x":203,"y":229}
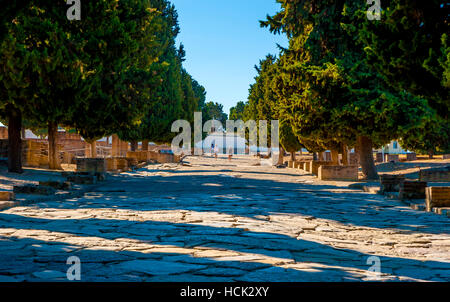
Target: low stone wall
{"x":446,"y":156}
{"x":35,"y":153}
{"x":392,"y":157}
{"x":92,"y":165}
{"x":164,"y":158}
{"x":379,"y":157}
{"x":6,"y":196}
{"x":338,"y":173}
{"x":411,"y":156}
{"x":307,"y":166}
{"x":391,"y":183}
{"x":301,"y":165}
{"x":314,"y":166}
{"x":412,"y":190}
{"x":437,"y":197}
{"x":140,"y":156}
{"x":435,"y":175}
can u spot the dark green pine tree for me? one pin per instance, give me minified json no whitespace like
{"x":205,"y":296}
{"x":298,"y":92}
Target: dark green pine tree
{"x":288,"y":140}
{"x":326,"y":87}
{"x":410,"y":49}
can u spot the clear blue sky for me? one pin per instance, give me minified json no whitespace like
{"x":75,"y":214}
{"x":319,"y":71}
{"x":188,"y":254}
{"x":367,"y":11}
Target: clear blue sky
{"x":223,"y":43}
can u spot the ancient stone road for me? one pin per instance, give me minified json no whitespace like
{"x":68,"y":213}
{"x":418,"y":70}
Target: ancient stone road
{"x":216,"y":220}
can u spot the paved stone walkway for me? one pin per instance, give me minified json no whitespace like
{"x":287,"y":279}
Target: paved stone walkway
{"x":215,"y":220}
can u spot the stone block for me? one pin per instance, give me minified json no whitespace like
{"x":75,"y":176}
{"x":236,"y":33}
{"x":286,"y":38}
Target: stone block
{"x":91,"y":165}
{"x":296,"y":164}
{"x":392,"y":158}
{"x":58,"y":185}
{"x":6,"y":195}
{"x":291,"y":164}
{"x":437,"y":197}
{"x":446,"y":156}
{"x":379,"y":157}
{"x":314,"y":169}
{"x":442,"y":211}
{"x":111,"y":164}
{"x":354,"y":160}
{"x":411,"y":156}
{"x":412,"y":190}
{"x":121,"y":163}
{"x":301,"y":165}
{"x":7,"y":204}
{"x":34,"y":189}
{"x":82,"y":179}
{"x":435,"y":175}
{"x":338,"y":173}
{"x":307,"y":166}
{"x":391,"y":183}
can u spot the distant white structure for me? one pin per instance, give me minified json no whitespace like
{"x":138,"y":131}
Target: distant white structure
{"x":393,"y":148}
{"x":223,"y":142}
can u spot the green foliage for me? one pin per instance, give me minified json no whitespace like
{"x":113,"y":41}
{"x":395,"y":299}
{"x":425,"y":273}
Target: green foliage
{"x":410,"y":50}
{"x":325,"y":86}
{"x":288,"y":140}
{"x":237,"y":112}
{"x":214,"y":111}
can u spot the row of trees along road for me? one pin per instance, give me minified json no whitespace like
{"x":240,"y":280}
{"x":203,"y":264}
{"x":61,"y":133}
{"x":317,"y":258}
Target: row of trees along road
{"x":347,"y":82}
{"x":116,"y":71}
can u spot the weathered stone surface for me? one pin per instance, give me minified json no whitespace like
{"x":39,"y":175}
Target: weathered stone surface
{"x":338,"y":173}
{"x":6,"y":196}
{"x":437,"y":197}
{"x":412,"y":190}
{"x":314,"y":169}
{"x":34,"y":189}
{"x":379,"y":157}
{"x":7,"y":204}
{"x":58,"y":185}
{"x":392,"y":157}
{"x":411,"y":156}
{"x":158,"y":268}
{"x":82,"y":179}
{"x":391,"y":183}
{"x":92,"y":165}
{"x":435,"y":175}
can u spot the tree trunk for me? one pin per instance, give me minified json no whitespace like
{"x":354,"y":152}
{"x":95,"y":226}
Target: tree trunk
{"x":134,"y":146}
{"x":145,"y":145}
{"x":322,"y":156}
{"x":23,"y":132}
{"x":292,"y":156}
{"x":335,"y":157}
{"x":315,"y":156}
{"x":93,"y":149}
{"x":345,"y":155}
{"x":281,"y":156}
{"x":53,"y":156}
{"x":14,"y":140}
{"x":431,"y":154}
{"x":366,"y":157}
